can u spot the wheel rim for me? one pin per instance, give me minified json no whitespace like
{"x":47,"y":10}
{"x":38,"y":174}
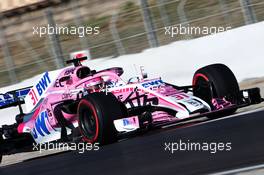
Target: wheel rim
{"x":202,"y":89}
{"x":88,"y":123}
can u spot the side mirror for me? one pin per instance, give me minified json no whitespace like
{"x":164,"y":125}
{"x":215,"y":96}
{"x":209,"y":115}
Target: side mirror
{"x":133,"y":80}
{"x":143,"y":73}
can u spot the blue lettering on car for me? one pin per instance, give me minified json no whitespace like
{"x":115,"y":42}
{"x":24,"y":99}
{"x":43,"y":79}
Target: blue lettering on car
{"x":7,"y":98}
{"x":152,"y":83}
{"x":40,"y":125}
{"x":126,"y":122}
{"x":43,"y":83}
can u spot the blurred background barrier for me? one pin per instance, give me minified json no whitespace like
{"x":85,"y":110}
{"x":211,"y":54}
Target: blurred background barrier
{"x":119,"y":27}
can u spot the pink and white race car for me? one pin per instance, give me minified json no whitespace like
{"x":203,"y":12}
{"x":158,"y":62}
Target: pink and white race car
{"x":98,"y":106}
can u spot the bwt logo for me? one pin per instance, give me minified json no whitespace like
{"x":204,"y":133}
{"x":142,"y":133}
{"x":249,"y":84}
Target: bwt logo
{"x":152,"y":83}
{"x":40,"y":125}
{"x":43,"y":83}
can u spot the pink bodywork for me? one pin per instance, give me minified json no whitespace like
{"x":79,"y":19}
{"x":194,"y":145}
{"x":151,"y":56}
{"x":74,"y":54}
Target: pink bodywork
{"x":42,"y":117}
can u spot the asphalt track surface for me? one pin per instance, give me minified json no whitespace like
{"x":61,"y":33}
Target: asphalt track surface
{"x":145,"y":154}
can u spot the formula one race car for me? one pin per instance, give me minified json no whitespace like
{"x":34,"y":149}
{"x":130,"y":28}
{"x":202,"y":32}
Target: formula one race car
{"x":81,"y":104}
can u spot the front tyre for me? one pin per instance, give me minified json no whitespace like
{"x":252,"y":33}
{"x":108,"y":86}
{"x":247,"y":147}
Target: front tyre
{"x":216,"y":81}
{"x":97,"y":112}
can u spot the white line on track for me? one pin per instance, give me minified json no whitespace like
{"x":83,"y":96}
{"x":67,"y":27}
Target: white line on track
{"x":240,"y":170}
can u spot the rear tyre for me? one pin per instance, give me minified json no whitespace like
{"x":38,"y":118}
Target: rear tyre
{"x":97,"y":112}
{"x":1,"y":145}
{"x":216,"y":81}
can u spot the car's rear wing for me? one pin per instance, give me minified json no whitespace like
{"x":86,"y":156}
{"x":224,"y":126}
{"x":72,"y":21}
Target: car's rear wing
{"x":14,"y":98}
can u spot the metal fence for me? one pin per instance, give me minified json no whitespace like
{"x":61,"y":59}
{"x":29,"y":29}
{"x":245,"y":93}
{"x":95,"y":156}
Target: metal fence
{"x":125,"y":27}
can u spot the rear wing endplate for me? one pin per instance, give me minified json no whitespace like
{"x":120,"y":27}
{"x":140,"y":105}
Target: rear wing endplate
{"x":13,"y":98}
